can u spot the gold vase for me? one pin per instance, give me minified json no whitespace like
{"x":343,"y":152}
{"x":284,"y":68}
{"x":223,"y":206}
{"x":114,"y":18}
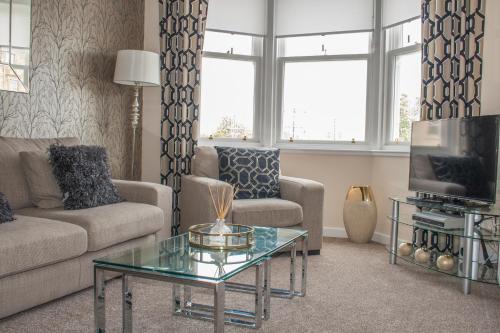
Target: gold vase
{"x":360,"y":214}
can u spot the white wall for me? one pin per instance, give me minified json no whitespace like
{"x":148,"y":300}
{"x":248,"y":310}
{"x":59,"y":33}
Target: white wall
{"x":388,"y":175}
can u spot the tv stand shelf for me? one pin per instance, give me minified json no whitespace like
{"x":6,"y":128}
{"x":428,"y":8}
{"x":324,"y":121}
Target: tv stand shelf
{"x":466,"y":244}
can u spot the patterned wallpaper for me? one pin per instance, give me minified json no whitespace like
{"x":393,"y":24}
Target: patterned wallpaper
{"x":74,"y":45}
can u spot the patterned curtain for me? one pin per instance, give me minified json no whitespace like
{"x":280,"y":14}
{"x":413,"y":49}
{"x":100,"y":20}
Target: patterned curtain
{"x":452,"y":47}
{"x":182,"y":26}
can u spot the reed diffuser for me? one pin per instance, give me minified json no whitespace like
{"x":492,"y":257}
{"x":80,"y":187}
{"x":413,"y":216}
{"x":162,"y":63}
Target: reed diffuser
{"x":222,"y":200}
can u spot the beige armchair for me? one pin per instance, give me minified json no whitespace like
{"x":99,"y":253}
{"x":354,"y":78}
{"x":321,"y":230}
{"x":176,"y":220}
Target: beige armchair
{"x":300,"y":205}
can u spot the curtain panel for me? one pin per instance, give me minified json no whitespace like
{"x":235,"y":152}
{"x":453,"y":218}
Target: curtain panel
{"x":452,"y":47}
{"x":182,"y":26}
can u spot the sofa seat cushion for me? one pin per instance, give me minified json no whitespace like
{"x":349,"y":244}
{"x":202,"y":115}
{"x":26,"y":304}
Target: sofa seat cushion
{"x":31,"y":242}
{"x":107,"y":225}
{"x":270,"y":212}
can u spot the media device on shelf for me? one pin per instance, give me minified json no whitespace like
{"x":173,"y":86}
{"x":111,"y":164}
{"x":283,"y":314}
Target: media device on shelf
{"x":455,"y":161}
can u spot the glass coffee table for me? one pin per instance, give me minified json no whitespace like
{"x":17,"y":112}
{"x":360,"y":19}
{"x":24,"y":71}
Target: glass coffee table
{"x":174,"y":260}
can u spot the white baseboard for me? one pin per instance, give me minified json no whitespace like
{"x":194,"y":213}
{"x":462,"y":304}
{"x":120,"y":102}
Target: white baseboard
{"x":340,"y":233}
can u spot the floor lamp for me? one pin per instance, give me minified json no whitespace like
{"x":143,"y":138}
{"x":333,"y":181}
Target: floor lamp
{"x":137,"y":68}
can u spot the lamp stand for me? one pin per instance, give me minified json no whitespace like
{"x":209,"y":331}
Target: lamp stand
{"x":134,"y":117}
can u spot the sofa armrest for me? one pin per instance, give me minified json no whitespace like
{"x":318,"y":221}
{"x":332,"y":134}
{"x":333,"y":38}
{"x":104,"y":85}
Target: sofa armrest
{"x":309,"y":194}
{"x":151,"y":194}
{"x":196,"y":204}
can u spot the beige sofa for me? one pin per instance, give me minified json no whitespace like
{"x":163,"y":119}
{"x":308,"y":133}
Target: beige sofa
{"x":48,"y":253}
{"x":300,"y":206}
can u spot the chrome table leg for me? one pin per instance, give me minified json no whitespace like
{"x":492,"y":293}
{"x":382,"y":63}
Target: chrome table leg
{"x":219,"y":297}
{"x":258,"y":294}
{"x":267,"y":289}
{"x":304,"y":265}
{"x":394,"y":232}
{"x":176,"y":299}
{"x":126,"y":305}
{"x":99,"y":300}
{"x":467,"y":257}
{"x":293,"y":256}
{"x":188,"y":301}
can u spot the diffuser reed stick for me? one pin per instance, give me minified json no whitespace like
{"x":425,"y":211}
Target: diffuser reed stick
{"x":222,"y":199}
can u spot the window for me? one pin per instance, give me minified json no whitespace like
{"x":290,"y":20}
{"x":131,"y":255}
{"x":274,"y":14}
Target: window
{"x":323,"y":87}
{"x":230,"y":75}
{"x":403,"y":58}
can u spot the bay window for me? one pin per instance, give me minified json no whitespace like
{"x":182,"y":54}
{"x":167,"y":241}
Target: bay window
{"x":324,"y":74}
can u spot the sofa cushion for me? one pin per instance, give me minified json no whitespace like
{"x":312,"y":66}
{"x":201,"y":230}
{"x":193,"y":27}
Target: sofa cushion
{"x":270,"y":212}
{"x":205,"y":162}
{"x":44,"y":191}
{"x":83,"y":175}
{"x":253,"y":171}
{"x":32,"y":242}
{"x":107,"y":225}
{"x":12,"y":180}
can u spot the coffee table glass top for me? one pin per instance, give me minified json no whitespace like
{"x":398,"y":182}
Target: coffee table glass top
{"x":176,"y":257}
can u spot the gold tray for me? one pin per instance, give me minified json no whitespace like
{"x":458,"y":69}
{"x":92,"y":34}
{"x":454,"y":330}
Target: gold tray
{"x":241,"y":237}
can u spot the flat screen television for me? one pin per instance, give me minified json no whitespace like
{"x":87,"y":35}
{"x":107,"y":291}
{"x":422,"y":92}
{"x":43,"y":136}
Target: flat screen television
{"x":455,"y":158}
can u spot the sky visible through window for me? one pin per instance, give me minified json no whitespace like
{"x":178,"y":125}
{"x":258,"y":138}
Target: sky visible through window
{"x":227,"y":97}
{"x":406,"y":103}
{"x":324,"y":100}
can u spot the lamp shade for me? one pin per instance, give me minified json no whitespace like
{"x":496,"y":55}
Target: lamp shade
{"x":137,"y":67}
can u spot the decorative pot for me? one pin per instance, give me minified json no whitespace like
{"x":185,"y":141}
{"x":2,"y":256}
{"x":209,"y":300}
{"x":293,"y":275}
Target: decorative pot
{"x":422,"y":255}
{"x":445,"y":262}
{"x":360,"y":214}
{"x":405,"y":249}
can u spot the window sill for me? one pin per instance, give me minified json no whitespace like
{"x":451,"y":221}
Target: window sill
{"x":310,"y":148}
{"x":352,"y":151}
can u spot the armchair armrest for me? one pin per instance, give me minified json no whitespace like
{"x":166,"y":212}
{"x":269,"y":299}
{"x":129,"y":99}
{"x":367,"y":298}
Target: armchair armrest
{"x":151,"y":194}
{"x":196,"y":204}
{"x":309,"y":194}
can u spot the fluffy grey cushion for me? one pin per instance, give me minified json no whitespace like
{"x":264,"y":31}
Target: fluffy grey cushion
{"x":83,"y":175}
{"x":6,"y":214}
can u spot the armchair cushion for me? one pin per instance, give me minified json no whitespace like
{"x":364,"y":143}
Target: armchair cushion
{"x":272,"y":212}
{"x":255,"y":172}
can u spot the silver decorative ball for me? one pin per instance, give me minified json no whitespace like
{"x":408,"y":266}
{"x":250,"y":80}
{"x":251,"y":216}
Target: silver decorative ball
{"x":445,"y":262}
{"x":405,"y":249}
{"x":422,"y":255}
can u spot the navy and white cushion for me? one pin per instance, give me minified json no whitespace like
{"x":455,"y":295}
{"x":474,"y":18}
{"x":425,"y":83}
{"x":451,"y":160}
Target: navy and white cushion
{"x":255,"y":172}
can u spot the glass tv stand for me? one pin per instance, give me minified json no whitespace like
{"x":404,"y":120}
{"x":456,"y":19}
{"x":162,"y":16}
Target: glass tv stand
{"x":474,"y":247}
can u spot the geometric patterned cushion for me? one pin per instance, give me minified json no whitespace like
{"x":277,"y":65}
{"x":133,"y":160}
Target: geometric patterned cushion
{"x":255,"y":172}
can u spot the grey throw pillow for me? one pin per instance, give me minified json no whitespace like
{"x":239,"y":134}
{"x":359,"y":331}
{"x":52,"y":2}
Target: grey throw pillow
{"x":6,"y":214}
{"x":83,"y":175}
{"x":44,"y":190}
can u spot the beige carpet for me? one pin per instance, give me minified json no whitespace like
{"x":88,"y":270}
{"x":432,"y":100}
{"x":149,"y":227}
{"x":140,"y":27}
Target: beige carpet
{"x":351,"y":288}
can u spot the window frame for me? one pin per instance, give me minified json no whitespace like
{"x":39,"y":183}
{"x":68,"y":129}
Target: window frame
{"x":257,"y":60}
{"x":281,"y":61}
{"x":389,"y":91}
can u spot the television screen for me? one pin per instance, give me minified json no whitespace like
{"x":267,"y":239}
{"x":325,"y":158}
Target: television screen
{"x":455,"y":157}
